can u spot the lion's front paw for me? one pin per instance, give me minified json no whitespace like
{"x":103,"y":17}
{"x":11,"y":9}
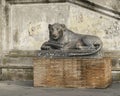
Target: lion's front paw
{"x":45,"y":48}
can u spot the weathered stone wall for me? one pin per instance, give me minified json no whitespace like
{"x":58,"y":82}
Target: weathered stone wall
{"x":29,"y":24}
{"x":113,"y":4}
{"x":84,"y":21}
{"x":1,"y":23}
{"x":24,"y":26}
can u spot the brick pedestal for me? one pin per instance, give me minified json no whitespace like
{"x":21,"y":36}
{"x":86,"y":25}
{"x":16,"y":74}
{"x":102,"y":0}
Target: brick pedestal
{"x":72,"y":72}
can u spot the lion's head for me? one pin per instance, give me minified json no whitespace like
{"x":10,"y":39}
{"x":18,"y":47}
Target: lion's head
{"x":56,"y":31}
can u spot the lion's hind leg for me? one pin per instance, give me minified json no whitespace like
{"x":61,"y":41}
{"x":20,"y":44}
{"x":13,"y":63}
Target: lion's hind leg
{"x":80,"y":45}
{"x":88,"y":41}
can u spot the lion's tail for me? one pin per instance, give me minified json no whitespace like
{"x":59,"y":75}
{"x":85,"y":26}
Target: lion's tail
{"x":99,"y":47}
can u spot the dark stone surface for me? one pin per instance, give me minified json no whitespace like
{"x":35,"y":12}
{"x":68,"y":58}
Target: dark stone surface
{"x":69,"y":53}
{"x":34,"y":1}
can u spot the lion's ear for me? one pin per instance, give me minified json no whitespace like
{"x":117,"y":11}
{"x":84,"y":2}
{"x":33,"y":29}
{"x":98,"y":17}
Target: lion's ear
{"x":49,"y":26}
{"x":63,"y":26}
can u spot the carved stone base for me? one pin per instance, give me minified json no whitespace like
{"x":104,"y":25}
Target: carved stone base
{"x":72,"y":72}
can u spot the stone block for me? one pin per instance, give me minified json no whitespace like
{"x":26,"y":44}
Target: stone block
{"x":116,"y":75}
{"x":16,"y":74}
{"x":72,"y":72}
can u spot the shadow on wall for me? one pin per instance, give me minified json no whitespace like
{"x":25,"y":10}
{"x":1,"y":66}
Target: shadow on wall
{"x":97,"y":8}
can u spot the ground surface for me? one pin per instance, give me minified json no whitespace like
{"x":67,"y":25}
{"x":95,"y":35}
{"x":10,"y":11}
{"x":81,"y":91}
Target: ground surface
{"x":25,"y":88}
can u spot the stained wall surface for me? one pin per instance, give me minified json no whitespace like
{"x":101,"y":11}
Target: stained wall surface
{"x":29,"y":24}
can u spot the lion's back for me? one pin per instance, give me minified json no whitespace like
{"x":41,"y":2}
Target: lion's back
{"x":71,"y":36}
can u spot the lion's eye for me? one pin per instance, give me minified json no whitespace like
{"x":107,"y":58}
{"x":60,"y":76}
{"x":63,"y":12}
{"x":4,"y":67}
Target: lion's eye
{"x":57,"y":28}
{"x":51,"y":29}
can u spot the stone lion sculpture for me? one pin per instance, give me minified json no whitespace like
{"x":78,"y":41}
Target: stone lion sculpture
{"x":61,"y":38}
